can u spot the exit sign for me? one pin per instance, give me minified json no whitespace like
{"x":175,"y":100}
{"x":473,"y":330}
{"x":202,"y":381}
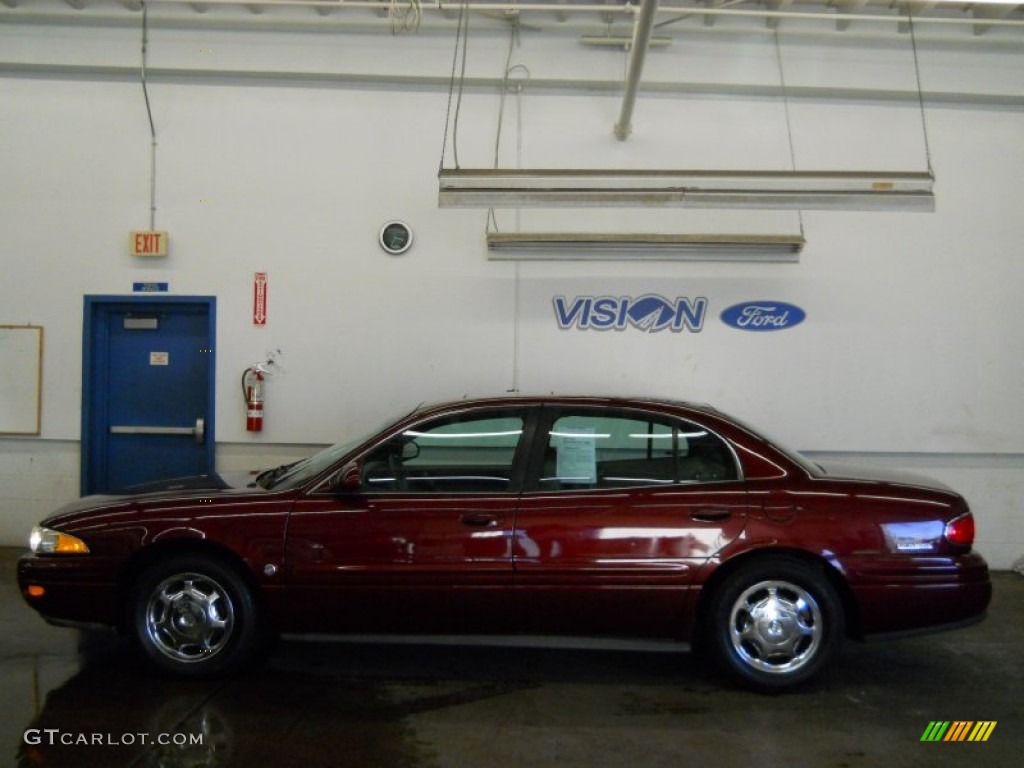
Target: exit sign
{"x":147,"y":243}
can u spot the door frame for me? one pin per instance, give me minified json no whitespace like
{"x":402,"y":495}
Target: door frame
{"x":93,"y":436}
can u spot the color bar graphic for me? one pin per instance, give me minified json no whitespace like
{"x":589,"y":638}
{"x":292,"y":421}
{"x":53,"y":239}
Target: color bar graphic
{"x":982,"y":730}
{"x":935,"y":731}
{"x":958,"y":730}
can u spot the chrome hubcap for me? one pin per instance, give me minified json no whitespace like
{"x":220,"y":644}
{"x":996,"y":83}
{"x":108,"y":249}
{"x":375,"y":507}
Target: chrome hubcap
{"x":189,"y":617}
{"x":776,"y":627}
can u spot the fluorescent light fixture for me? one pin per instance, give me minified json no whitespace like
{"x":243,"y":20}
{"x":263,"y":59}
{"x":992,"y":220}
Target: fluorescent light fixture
{"x":608,"y":246}
{"x":781,"y":190}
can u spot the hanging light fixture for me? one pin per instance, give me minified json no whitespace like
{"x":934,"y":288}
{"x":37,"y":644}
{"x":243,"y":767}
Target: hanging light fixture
{"x":781,"y":190}
{"x":608,"y":246}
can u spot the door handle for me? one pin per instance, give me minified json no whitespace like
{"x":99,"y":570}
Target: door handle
{"x":479,"y":520}
{"x":710,"y":515}
{"x":198,"y":431}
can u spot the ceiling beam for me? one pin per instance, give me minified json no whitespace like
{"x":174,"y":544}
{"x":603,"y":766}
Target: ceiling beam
{"x":776,"y":5}
{"x":990,"y":13}
{"x":914,"y":9}
{"x":981,"y":14}
{"x":709,"y":19}
{"x":847,"y":7}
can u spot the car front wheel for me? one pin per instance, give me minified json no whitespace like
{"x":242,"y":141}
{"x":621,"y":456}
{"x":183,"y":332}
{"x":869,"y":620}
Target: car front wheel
{"x":194,"y":616}
{"x":774,"y":623}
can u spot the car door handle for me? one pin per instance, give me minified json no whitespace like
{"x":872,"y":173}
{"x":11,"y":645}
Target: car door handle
{"x":710,"y":515}
{"x":479,"y":520}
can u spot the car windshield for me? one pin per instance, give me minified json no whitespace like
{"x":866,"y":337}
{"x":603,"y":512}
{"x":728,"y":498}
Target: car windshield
{"x":295,"y":474}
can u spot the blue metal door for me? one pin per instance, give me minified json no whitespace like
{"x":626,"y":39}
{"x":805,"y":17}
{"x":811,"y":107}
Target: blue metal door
{"x":148,"y":385}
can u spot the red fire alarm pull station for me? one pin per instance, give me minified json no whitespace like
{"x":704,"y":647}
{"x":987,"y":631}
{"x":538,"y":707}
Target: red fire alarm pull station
{"x":259,"y":299}
{"x":147,"y":243}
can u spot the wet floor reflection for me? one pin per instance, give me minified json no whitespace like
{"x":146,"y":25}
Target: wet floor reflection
{"x":117,"y":711}
{"x":310,"y":703}
{"x":369,"y":704}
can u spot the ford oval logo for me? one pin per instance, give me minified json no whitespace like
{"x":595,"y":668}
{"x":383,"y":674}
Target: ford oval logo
{"x":763,"y":316}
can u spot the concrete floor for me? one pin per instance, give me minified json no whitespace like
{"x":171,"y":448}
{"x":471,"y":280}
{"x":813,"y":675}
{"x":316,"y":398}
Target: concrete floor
{"x":369,"y":704}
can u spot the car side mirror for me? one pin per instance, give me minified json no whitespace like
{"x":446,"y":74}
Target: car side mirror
{"x":410,"y":450}
{"x":348,"y":478}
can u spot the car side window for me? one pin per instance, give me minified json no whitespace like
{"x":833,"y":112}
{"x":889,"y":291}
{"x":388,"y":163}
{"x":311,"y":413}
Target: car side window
{"x":461,"y":454}
{"x":618,"y":450}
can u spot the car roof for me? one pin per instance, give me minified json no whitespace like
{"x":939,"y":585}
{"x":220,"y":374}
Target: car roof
{"x":569,"y":399}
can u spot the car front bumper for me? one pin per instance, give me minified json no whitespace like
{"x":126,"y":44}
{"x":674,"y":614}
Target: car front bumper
{"x":71,"y":589}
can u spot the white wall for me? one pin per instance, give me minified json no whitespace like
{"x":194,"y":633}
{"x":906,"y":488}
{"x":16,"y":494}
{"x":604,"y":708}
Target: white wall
{"x":908,"y":357}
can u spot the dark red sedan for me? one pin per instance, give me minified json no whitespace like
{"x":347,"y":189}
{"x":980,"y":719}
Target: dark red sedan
{"x":551,"y":515}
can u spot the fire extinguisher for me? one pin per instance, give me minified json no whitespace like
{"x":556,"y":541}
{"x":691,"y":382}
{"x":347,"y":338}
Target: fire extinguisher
{"x":252,"y":391}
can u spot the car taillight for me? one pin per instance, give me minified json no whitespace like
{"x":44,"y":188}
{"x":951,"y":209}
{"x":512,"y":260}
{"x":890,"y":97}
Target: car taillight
{"x":960,"y":530}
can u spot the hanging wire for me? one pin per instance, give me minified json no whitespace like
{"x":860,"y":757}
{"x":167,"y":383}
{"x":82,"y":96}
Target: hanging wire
{"x":152,"y":127}
{"x":517,"y":267}
{"x":513,"y":40}
{"x":519,"y":131}
{"x":461,"y":39}
{"x":920,"y":92}
{"x":789,"y":123}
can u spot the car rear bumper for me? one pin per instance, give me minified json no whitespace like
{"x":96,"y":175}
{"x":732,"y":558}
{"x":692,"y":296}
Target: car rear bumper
{"x":911,"y":594}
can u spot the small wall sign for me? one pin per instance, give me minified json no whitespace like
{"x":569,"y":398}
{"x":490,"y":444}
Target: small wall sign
{"x":259,"y":299}
{"x":150,"y":287}
{"x":147,"y":243}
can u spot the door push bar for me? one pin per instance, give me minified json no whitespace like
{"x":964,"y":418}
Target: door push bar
{"x":198,"y":431}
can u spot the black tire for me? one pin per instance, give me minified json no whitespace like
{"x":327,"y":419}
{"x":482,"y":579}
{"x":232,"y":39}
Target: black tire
{"x":774,"y":623}
{"x":194,"y":616}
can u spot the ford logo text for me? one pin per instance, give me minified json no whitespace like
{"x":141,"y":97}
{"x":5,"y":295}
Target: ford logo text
{"x":763,"y":316}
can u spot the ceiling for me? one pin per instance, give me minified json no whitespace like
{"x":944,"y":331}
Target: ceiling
{"x":982,"y":18}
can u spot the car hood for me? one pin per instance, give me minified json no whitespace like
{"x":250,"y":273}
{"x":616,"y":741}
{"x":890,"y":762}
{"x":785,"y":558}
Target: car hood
{"x":173,"y":488}
{"x":840,"y":471}
{"x":211,"y":482}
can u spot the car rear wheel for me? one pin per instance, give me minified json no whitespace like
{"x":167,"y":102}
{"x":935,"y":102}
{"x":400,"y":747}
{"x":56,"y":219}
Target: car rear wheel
{"x":194,"y":616}
{"x":774,"y":623}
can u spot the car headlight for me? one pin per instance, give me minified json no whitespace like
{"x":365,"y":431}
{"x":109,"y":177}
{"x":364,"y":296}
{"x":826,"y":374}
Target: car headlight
{"x":47,"y":541}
